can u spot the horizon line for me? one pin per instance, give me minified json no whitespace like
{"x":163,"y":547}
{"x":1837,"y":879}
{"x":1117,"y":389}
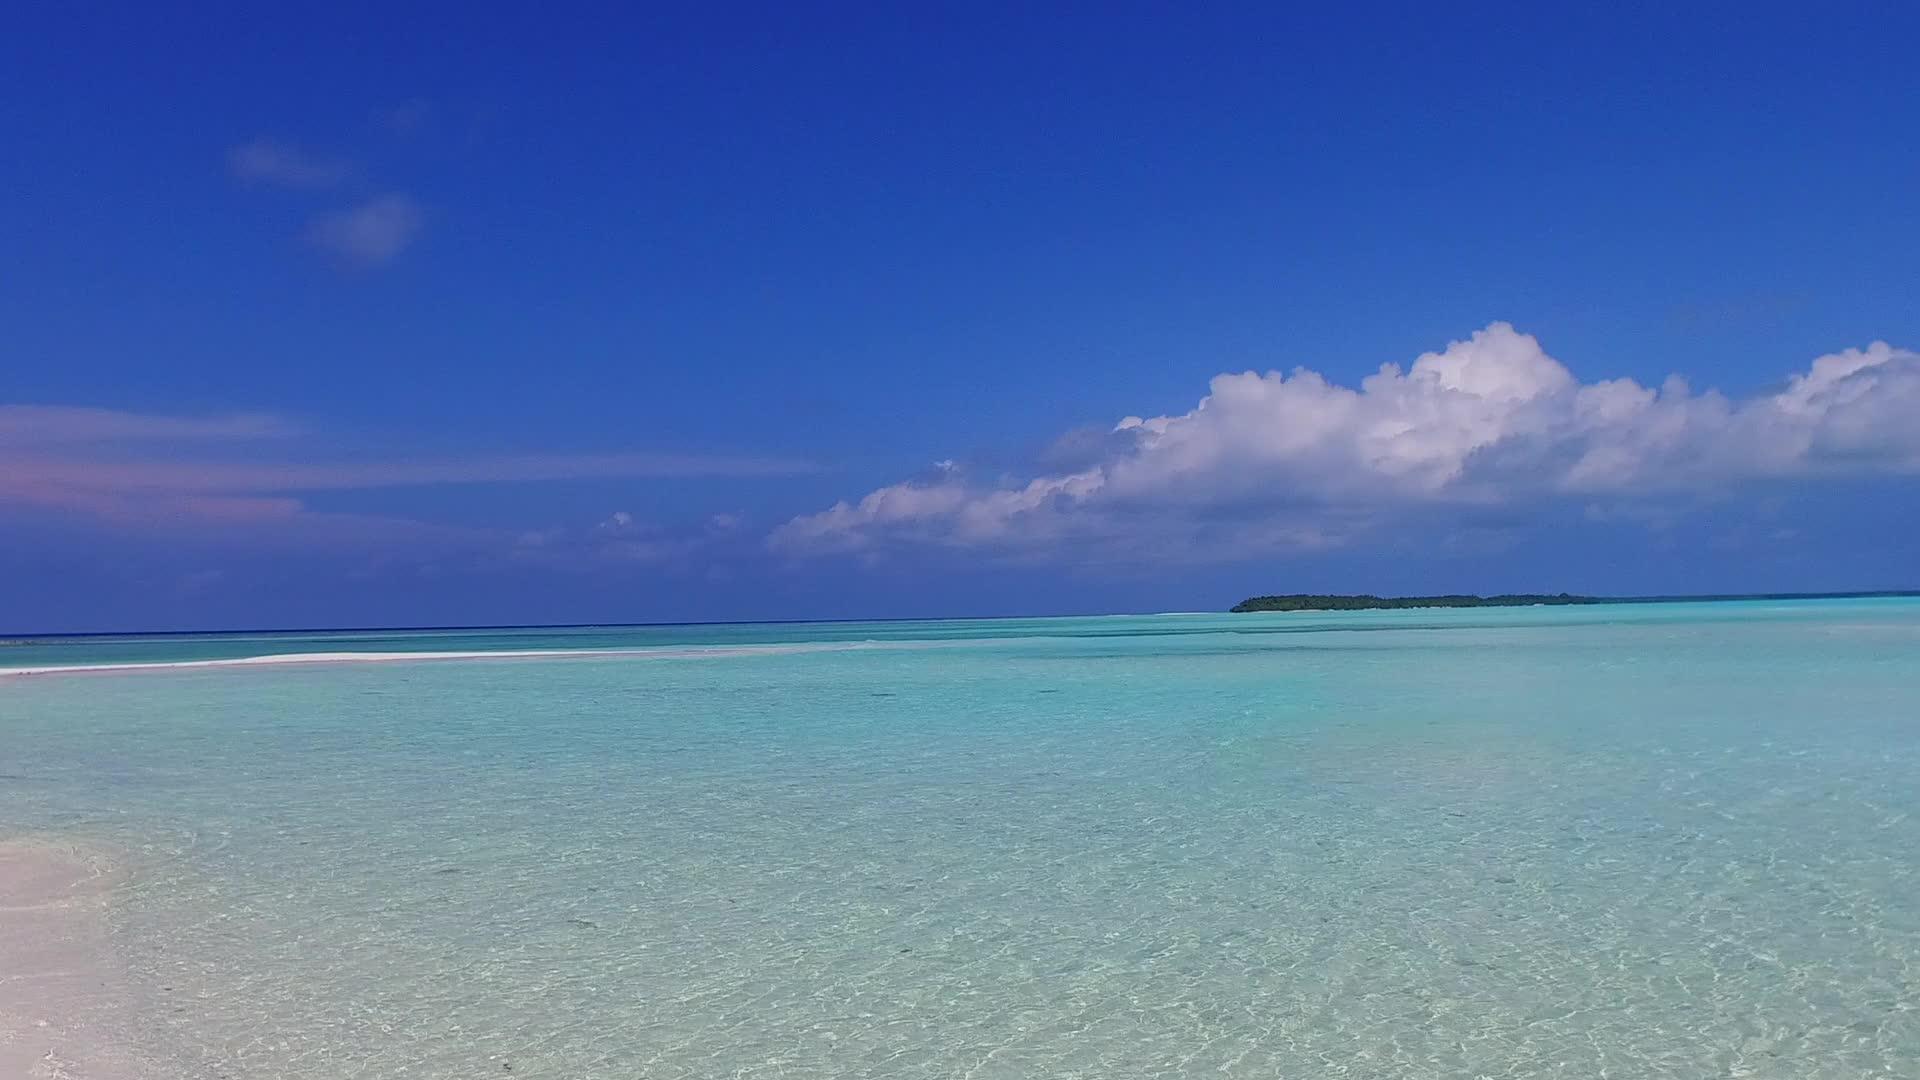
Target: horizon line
{"x":14,"y":639}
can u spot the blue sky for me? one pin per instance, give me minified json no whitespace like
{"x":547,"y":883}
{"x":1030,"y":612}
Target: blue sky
{"x":492,"y":314}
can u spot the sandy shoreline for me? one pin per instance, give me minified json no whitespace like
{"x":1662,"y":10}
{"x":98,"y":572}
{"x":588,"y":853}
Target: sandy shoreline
{"x":283,"y":659}
{"x":313,"y":658}
{"x":58,"y":984}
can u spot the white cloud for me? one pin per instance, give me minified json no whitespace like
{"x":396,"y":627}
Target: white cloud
{"x":370,"y":233}
{"x":264,"y":161}
{"x":1290,"y":460}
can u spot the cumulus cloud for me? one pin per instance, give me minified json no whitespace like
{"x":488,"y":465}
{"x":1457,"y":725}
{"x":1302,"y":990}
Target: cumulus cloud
{"x":370,"y":233}
{"x":264,"y":161}
{"x":1296,"y":460}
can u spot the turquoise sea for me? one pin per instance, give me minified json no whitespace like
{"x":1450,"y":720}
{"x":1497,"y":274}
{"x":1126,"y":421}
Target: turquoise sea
{"x":1672,"y":840}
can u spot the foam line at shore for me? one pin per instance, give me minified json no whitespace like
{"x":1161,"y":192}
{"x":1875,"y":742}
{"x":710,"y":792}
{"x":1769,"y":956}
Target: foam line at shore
{"x":689,"y":652}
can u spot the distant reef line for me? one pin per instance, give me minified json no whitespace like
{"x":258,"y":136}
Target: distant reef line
{"x":1367,"y":602}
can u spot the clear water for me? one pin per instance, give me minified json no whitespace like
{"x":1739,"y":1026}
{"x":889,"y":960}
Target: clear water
{"x":1664,"y":841}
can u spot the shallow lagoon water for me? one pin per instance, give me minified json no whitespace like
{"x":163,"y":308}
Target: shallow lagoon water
{"x":1667,"y":840}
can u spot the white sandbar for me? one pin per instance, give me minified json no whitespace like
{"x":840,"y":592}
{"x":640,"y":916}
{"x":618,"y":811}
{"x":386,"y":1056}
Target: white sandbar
{"x":277,"y":659}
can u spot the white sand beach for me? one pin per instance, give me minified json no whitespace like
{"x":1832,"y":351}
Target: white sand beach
{"x":316,"y":658}
{"x":697,"y":652}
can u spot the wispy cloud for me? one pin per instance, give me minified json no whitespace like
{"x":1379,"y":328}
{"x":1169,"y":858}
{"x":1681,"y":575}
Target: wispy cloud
{"x":1293,"y":460}
{"x":43,"y":425}
{"x":623,"y":539}
{"x":218,"y":477}
{"x":406,"y":118}
{"x":159,"y":469}
{"x":372,"y":231}
{"x":265,"y":161}
{"x":369,"y":233}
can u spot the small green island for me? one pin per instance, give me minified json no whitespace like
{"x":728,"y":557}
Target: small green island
{"x":1315,"y":602}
